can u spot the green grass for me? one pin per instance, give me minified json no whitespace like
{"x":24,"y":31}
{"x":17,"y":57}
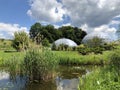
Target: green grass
{"x":6,"y":56}
{"x":66,"y":57}
{"x":6,"y":45}
{"x":106,"y":78}
{"x":101,"y":79}
{"x":74,"y":58}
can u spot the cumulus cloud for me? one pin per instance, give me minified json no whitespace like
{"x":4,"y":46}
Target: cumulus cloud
{"x":92,"y":12}
{"x":49,"y":11}
{"x":106,"y":28}
{"x":7,"y":30}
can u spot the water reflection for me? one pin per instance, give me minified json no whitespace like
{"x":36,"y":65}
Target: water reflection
{"x":67,"y":79}
{"x":67,"y":84}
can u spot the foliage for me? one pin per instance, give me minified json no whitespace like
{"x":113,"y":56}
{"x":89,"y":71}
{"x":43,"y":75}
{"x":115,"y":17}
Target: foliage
{"x":52,"y":34}
{"x":21,"y":41}
{"x":109,"y":46}
{"x":45,"y":42}
{"x":38,"y":39}
{"x":87,"y":50}
{"x":107,"y":78}
{"x":101,"y":79}
{"x":83,"y":50}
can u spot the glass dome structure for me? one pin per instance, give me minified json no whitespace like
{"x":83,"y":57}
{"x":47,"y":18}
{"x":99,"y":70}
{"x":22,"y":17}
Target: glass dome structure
{"x":104,"y":36}
{"x":65,"y":41}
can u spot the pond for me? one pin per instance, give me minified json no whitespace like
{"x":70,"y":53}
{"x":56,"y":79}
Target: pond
{"x":67,"y":78}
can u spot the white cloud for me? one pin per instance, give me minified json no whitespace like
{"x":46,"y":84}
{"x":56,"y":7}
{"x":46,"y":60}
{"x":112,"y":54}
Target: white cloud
{"x":92,"y":12}
{"x":111,"y":31}
{"x":7,"y":30}
{"x":49,"y":11}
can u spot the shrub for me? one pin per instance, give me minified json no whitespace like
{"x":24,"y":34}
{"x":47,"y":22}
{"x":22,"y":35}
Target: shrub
{"x":97,"y":50}
{"x":45,"y":42}
{"x":109,"y":46}
{"x":21,"y":41}
{"x":84,"y":50}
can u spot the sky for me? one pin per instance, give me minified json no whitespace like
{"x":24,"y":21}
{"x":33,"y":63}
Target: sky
{"x":90,"y":15}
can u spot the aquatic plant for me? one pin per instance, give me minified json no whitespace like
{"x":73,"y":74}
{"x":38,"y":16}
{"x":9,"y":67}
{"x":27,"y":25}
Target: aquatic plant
{"x":39,"y":64}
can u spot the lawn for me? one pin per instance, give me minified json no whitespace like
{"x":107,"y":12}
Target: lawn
{"x":8,"y":55}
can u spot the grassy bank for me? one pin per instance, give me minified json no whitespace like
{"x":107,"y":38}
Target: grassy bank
{"x":101,"y":79}
{"x":107,"y":78}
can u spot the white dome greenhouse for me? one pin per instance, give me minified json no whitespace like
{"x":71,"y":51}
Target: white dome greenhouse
{"x":104,"y":36}
{"x":65,"y":41}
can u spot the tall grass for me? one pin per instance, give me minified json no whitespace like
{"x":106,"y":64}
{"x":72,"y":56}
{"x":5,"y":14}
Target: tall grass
{"x":74,"y":58}
{"x":39,"y":64}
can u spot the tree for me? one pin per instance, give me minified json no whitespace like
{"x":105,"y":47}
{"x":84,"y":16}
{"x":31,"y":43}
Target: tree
{"x":35,"y":29}
{"x":20,"y":41}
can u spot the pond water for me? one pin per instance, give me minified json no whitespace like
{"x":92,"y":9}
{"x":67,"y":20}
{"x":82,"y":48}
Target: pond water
{"x":67,"y":78}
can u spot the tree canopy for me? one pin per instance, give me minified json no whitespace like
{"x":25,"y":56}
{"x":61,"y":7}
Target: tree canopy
{"x":51,"y":33}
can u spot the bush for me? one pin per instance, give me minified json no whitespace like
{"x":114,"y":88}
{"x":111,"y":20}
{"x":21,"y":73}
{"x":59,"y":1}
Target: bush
{"x":109,"y":46}
{"x":21,"y":41}
{"x":45,"y":42}
{"x":97,"y":50}
{"x":84,"y":50}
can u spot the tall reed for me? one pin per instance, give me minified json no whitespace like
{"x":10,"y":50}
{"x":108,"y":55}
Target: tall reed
{"x":39,"y":64}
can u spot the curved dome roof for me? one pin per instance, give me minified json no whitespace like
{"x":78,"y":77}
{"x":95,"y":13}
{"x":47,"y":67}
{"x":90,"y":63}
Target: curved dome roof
{"x":65,"y":41}
{"x":101,"y":35}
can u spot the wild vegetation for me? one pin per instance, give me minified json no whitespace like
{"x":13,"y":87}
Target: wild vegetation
{"x":107,"y":78}
{"x":40,"y":64}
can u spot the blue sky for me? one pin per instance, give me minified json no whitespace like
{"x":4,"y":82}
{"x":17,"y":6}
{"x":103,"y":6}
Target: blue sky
{"x":90,"y":15}
{"x":15,"y":12}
